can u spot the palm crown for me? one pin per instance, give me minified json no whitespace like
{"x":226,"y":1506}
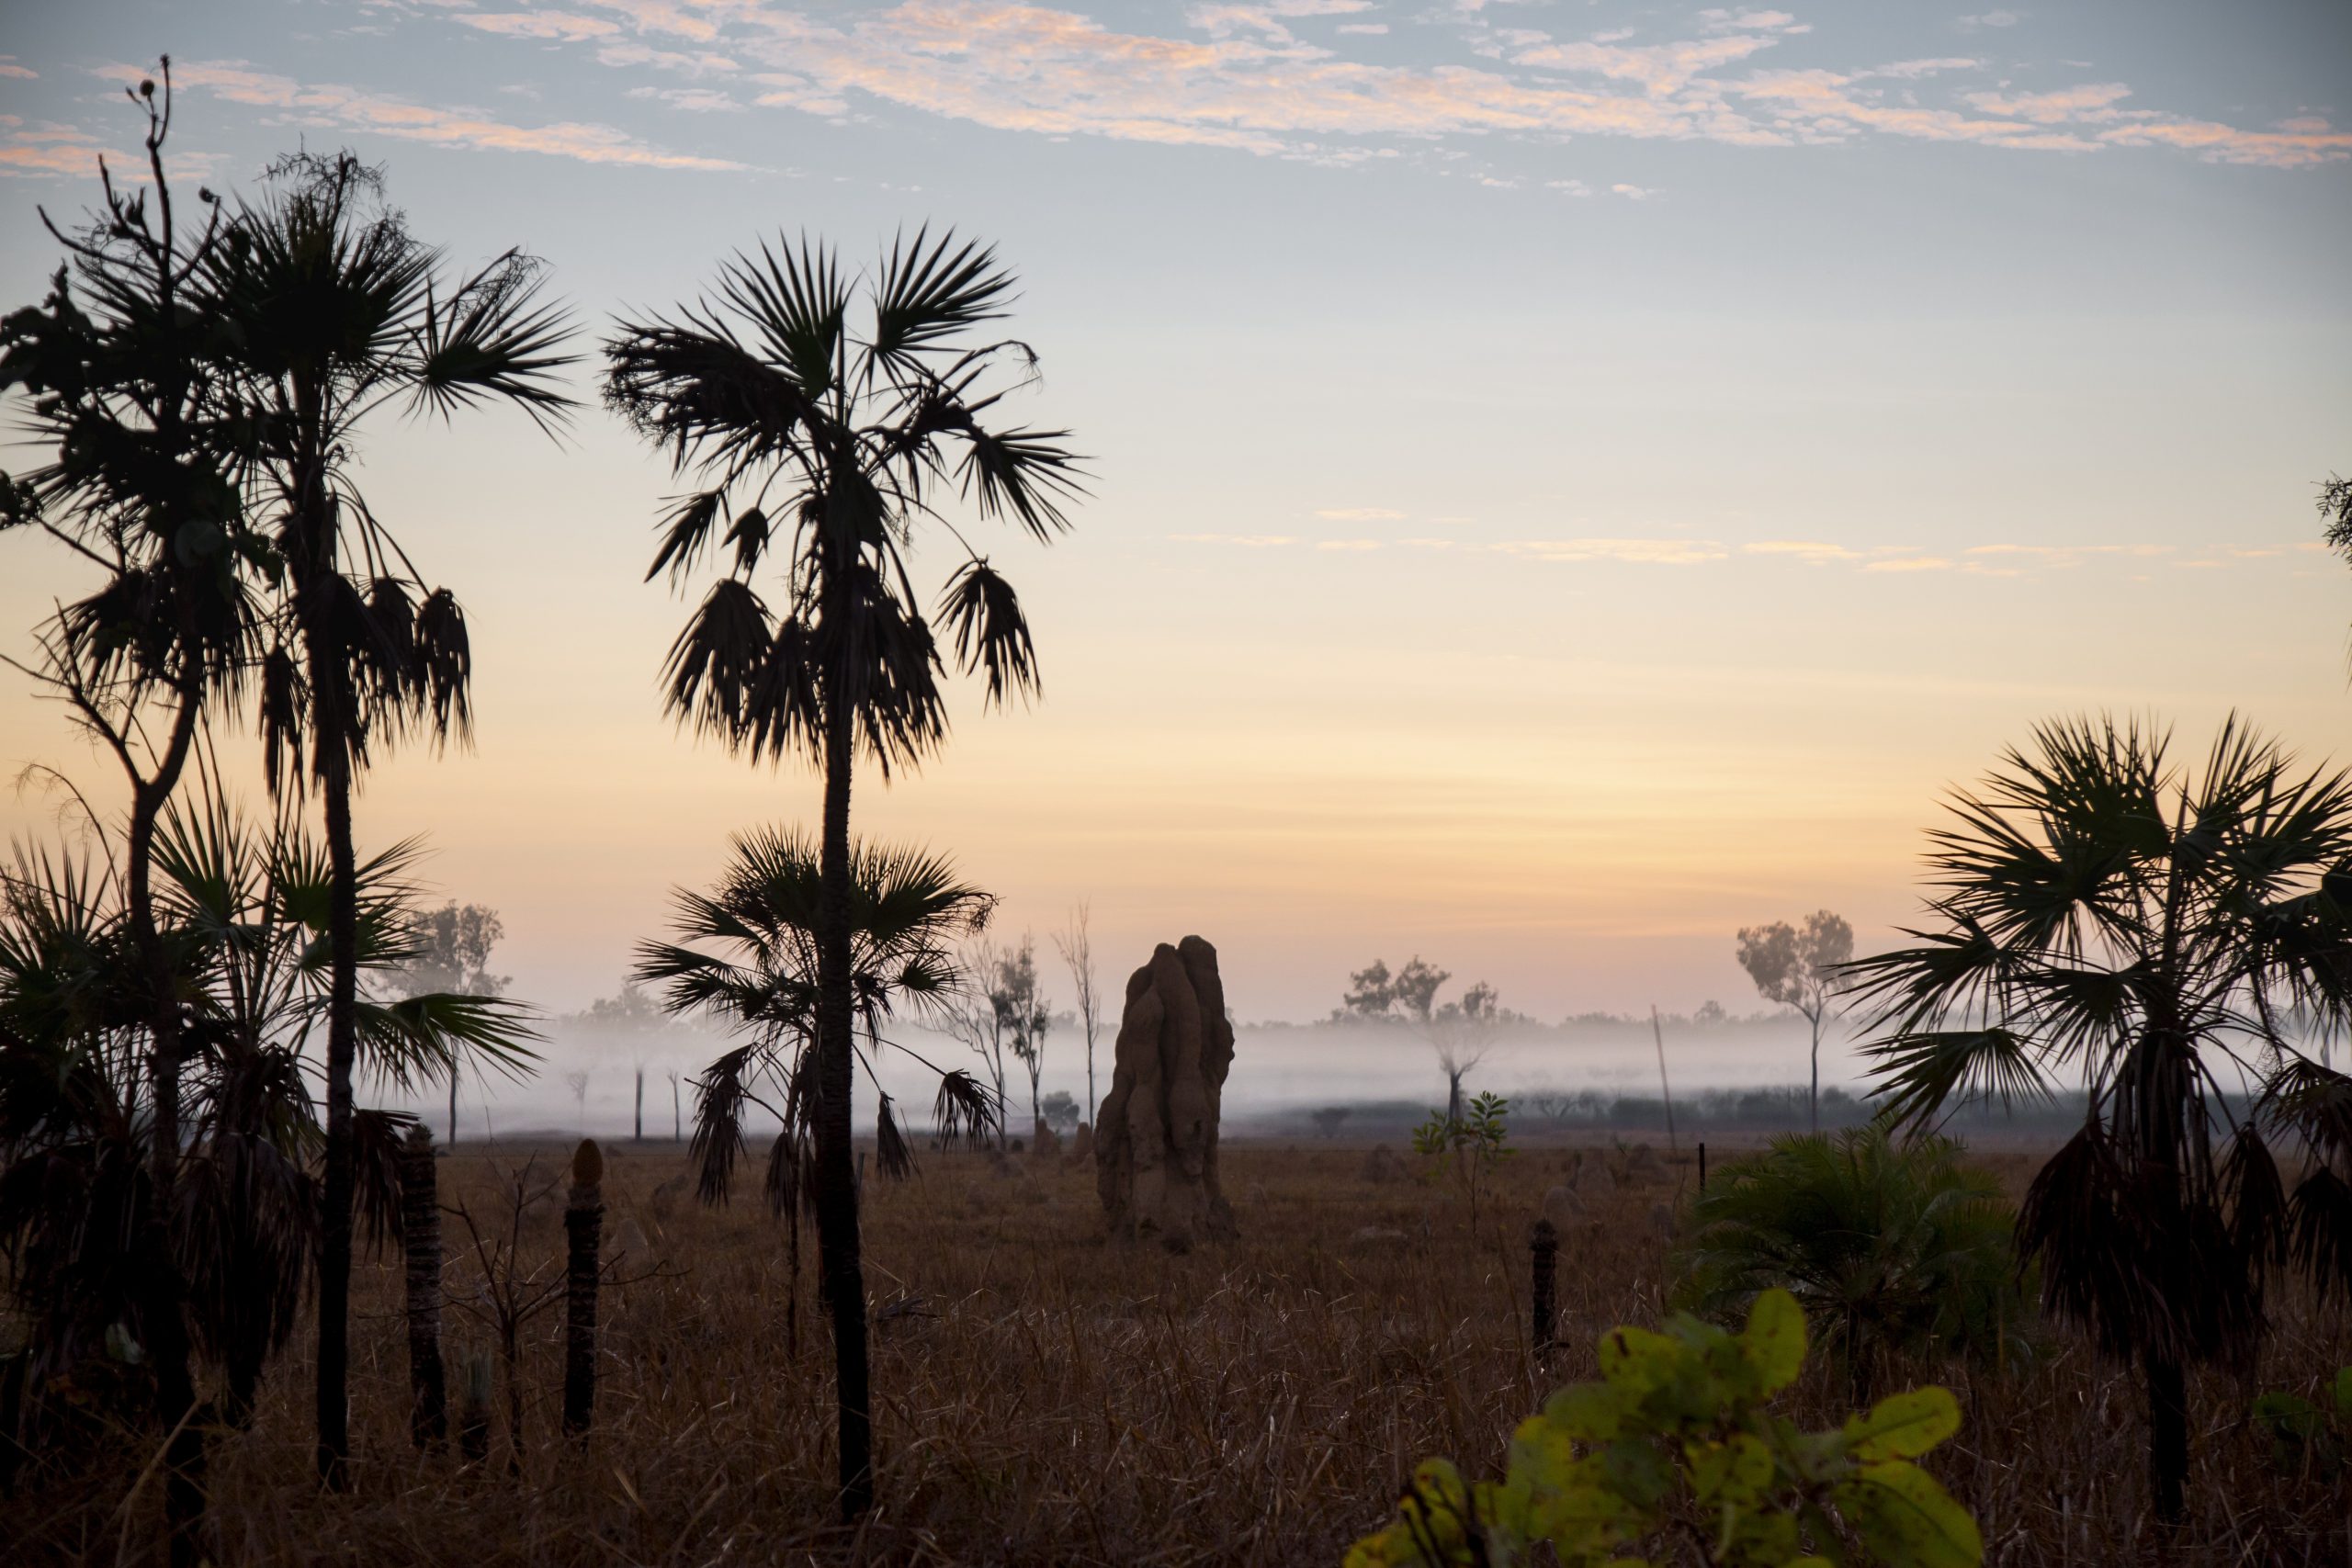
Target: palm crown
{"x":826,"y":444}
{"x":2165,"y":938}
{"x":339,"y":311}
{"x":747,"y":955}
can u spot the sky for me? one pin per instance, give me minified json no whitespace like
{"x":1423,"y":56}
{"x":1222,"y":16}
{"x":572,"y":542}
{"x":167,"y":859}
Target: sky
{"x":1567,"y":480}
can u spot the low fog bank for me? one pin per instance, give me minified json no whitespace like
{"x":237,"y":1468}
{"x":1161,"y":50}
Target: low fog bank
{"x":1597,"y":1070}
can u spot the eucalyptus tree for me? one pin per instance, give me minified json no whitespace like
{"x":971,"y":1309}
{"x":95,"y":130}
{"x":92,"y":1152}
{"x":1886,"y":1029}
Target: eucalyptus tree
{"x":746,"y":957}
{"x":1026,"y":1015}
{"x":117,"y":371}
{"x":1797,"y":967}
{"x":341,"y":313}
{"x":2163,"y":935}
{"x":818,"y":445}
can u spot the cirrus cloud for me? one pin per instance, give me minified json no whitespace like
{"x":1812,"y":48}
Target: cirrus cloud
{"x":329,"y":105}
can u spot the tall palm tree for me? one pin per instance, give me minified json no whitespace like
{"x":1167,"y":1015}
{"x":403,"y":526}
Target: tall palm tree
{"x":120,"y":365}
{"x":748,"y":956}
{"x":2164,"y":936}
{"x":824,"y":443}
{"x":342,"y":311}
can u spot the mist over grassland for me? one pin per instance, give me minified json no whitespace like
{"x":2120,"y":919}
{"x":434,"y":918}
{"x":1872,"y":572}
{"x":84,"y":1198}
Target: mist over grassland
{"x":1593,"y":1072}
{"x":1281,"y":1071}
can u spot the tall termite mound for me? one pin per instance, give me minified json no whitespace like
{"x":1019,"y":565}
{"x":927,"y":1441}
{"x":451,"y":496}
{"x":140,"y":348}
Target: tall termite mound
{"x":1155,"y":1139}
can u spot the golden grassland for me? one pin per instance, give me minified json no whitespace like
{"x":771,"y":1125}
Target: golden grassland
{"x":1043,"y":1398}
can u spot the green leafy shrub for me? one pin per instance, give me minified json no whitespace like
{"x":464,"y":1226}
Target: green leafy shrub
{"x":1469,"y":1146}
{"x":2309,"y":1439}
{"x":1674,"y":1451}
{"x":1892,"y":1248}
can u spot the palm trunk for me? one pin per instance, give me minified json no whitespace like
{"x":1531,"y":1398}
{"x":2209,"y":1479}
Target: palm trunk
{"x":453,"y":1103}
{"x":1815,"y":1101}
{"x":163,"y":1325}
{"x":342,"y":996}
{"x":2168,"y":1436}
{"x":837,"y":1227}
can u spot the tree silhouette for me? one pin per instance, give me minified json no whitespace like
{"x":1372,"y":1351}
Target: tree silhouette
{"x":1460,"y":1032}
{"x":1074,"y":943}
{"x":825,"y":444}
{"x":339,"y":312}
{"x":1797,"y":968}
{"x":242,"y":911}
{"x":120,"y":367}
{"x":1024,"y":1013}
{"x":748,"y":957}
{"x":2103,"y":911}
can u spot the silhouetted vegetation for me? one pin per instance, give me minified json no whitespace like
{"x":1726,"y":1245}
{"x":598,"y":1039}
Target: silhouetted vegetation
{"x":819,"y":447}
{"x":2104,"y":911}
{"x":1797,"y":968}
{"x":1895,"y":1250}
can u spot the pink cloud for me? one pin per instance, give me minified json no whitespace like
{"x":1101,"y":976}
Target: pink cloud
{"x":539,"y":24}
{"x":1237,"y":77}
{"x":355,"y":109}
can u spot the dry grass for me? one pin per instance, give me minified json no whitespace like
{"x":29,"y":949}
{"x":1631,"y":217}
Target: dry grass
{"x":1045,"y":1399}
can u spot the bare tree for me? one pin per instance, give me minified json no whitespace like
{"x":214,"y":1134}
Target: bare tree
{"x":1795,"y":967}
{"x":578,"y":1084}
{"x":451,"y":948}
{"x":1462,"y":1032}
{"x":1074,"y":943}
{"x":971,"y":1018}
{"x":1024,"y":1013}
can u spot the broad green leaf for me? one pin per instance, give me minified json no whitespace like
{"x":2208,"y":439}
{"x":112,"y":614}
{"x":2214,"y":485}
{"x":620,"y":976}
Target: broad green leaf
{"x":1814,"y":1456}
{"x":1506,"y":1511}
{"x":1581,"y":1524}
{"x":1590,"y":1411}
{"x":1636,"y":1472}
{"x":1774,"y":1340}
{"x":1903,"y":1426}
{"x":1759,"y":1541}
{"x":1543,"y":1452}
{"x":1907,"y":1519}
{"x":1637,"y":1359}
{"x":1738,"y":1471}
{"x":1392,"y":1547}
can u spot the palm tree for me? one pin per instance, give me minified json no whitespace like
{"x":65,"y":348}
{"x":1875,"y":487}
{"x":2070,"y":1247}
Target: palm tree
{"x":2106,"y":914}
{"x":1891,"y":1248}
{"x":244,"y":916}
{"x":120,"y":365}
{"x":340,"y":311}
{"x":824,"y":444}
{"x":755,"y":969}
